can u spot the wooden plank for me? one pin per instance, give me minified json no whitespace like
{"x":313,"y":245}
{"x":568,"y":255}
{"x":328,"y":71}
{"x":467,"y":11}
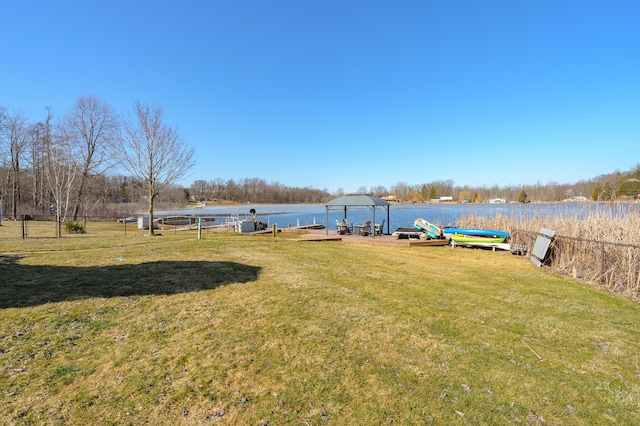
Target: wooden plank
{"x":441,"y":242}
{"x":319,"y":238}
{"x":310,"y":226}
{"x":262,"y":231}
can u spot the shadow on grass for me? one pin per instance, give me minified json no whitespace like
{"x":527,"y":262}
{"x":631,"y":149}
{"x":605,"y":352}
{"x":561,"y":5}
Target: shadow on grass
{"x":25,"y":285}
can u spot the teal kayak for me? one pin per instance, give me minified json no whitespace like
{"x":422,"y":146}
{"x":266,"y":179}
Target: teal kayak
{"x":476,"y":232}
{"x":429,"y":228}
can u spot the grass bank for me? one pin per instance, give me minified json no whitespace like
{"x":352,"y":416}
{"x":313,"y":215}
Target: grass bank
{"x":236,"y":329}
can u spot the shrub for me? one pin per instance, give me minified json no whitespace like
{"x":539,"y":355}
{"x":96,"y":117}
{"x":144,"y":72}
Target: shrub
{"x":74,"y":227}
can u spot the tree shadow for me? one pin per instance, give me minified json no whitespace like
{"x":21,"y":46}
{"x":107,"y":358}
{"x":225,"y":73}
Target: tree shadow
{"x":32,"y":285}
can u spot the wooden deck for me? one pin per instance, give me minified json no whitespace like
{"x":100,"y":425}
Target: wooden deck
{"x":320,"y":235}
{"x":300,"y":228}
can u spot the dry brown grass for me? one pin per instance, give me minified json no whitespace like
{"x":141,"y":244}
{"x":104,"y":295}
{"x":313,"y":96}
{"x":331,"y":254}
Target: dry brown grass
{"x":597,"y":245}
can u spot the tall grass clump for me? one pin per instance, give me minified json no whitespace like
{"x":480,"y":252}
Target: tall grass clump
{"x":598,"y":243}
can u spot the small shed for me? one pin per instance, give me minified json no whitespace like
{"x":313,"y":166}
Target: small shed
{"x":358,"y":200}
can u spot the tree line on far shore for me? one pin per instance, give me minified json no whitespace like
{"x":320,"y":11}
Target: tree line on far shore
{"x":614,"y":186}
{"x":609,"y":187}
{"x":94,"y":162}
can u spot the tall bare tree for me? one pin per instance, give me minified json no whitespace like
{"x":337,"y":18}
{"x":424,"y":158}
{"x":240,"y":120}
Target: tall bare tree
{"x":153,"y":152}
{"x":199,"y":189}
{"x":60,"y":170}
{"x":40,"y":135}
{"x":14,"y":138}
{"x":4,"y":175}
{"x":93,"y":128}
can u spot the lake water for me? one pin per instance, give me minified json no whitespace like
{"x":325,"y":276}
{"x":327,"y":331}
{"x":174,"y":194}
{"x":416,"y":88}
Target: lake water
{"x":400,"y":215}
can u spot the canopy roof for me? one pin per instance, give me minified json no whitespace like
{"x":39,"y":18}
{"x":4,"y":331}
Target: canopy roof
{"x":357,"y":200}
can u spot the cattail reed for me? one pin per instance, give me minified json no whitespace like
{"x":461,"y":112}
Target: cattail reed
{"x":599,"y":243}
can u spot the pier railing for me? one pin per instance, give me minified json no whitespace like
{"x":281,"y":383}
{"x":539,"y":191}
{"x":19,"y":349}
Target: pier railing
{"x":611,"y":265}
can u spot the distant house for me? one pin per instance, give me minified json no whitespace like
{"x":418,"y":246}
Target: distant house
{"x":576,"y":198}
{"x":497,"y":201}
{"x":390,"y":198}
{"x":446,"y":199}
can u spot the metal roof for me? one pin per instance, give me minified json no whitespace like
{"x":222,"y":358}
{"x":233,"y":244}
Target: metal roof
{"x":357,"y":200}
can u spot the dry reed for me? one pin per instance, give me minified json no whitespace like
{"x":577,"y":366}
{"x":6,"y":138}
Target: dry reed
{"x":599,"y":244}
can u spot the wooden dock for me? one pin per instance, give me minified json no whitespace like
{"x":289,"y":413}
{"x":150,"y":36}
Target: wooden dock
{"x":293,"y":228}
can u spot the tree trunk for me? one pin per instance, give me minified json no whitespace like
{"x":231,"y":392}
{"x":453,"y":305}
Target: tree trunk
{"x":15,"y":195}
{"x":76,"y":208}
{"x":58,"y":220}
{"x":151,"y":199}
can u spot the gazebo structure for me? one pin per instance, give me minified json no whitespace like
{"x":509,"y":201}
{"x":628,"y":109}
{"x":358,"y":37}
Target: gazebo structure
{"x":357,"y":200}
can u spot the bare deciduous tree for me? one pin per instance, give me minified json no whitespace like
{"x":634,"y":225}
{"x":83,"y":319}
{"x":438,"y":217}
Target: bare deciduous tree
{"x":153,"y":152}
{"x":93,"y":128}
{"x":3,"y":159}
{"x":40,"y":135}
{"x":199,"y":188}
{"x":60,"y":169}
{"x":14,"y":138}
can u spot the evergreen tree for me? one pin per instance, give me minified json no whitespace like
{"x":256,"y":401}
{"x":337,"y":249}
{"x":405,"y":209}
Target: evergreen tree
{"x":432,"y":193}
{"x":607,"y":192}
{"x":522,"y":198}
{"x":597,"y":190}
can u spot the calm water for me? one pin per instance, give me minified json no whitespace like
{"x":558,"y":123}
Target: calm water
{"x":401,"y":216}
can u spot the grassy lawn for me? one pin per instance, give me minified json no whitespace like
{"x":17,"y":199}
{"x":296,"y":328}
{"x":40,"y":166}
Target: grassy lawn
{"x":233,"y":329}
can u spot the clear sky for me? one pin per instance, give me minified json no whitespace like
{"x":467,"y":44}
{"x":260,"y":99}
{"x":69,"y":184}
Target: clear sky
{"x":343,"y":94}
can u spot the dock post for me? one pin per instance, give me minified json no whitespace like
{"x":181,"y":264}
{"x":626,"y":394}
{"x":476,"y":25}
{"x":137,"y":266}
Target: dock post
{"x":274,"y":229}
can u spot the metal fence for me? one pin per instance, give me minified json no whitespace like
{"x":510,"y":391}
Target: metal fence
{"x":611,"y":265}
{"x":45,"y":226}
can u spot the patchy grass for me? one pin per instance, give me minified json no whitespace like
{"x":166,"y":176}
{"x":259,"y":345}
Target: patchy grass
{"x":239,"y":329}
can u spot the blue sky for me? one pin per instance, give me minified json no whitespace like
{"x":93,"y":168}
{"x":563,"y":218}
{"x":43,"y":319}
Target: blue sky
{"x":345,"y":94}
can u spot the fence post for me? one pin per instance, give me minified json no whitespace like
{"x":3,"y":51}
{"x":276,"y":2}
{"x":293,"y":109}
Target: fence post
{"x":602,"y":263}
